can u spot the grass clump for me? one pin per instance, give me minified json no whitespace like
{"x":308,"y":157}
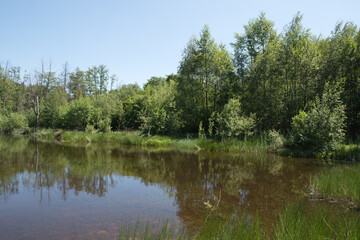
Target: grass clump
{"x":298,"y":222}
{"x":235,"y":228}
{"x":164,"y":230}
{"x":340,"y":182}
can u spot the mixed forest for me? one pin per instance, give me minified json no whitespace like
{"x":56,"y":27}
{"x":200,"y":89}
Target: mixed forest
{"x":292,"y":83}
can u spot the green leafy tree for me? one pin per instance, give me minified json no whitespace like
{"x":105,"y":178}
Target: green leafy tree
{"x":132,"y":102}
{"x":160,"y":115}
{"x":76,"y":84}
{"x":51,"y":109}
{"x":204,"y":74}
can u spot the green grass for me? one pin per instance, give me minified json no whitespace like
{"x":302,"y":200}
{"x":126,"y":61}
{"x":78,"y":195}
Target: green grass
{"x":298,"y":221}
{"x":341,"y":182}
{"x":164,"y":230}
{"x":350,"y":152}
{"x":255,"y":144}
{"x":321,"y":222}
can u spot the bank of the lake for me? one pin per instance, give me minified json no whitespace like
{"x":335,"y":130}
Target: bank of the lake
{"x":349,"y":152}
{"x":135,"y":138}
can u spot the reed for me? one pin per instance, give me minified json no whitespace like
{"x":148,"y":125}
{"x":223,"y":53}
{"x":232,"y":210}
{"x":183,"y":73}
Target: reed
{"x":341,"y":182}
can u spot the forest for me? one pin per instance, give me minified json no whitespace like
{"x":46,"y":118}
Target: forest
{"x":293,"y":84}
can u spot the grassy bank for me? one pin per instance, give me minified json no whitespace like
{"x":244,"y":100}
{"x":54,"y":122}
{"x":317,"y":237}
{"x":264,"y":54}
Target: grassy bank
{"x":347,"y":152}
{"x":260,"y":143}
{"x":178,"y":142}
{"x":295,"y":222}
{"x":341,"y":182}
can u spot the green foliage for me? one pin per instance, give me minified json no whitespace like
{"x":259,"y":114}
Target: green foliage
{"x":205,"y":80}
{"x":13,"y":121}
{"x":276,"y":140}
{"x":350,"y":152}
{"x":50,"y":114}
{"x":321,"y":128}
{"x":160,"y":115}
{"x":201,"y":134}
{"x":79,"y":113}
{"x":279,"y":79}
{"x":90,"y":129}
{"x":233,"y":123}
{"x":105,"y":125}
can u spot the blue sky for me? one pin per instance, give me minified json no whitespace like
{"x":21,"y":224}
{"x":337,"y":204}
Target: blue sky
{"x":140,"y":39}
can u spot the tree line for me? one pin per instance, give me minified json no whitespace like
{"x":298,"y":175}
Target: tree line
{"x":267,"y":80}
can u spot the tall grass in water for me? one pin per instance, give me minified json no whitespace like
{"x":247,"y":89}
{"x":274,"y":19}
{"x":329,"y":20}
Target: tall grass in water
{"x":297,"y":222}
{"x":235,"y":228}
{"x":164,"y":230}
{"x":339,"y":182}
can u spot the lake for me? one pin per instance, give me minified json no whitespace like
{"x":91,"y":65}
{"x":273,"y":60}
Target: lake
{"x":62,"y":191}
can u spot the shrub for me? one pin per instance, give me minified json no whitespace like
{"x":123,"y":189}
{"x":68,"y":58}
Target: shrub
{"x":79,"y":113}
{"x":232,"y":122}
{"x":90,"y":129}
{"x":12,"y":122}
{"x":104,"y":125}
{"x":276,"y":140}
{"x":320,"y":129}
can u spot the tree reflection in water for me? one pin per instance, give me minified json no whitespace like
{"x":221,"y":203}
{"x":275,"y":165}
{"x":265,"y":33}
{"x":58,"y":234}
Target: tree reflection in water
{"x":249,"y":182}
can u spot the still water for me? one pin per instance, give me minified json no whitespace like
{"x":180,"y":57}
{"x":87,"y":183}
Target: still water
{"x":58,"y":191}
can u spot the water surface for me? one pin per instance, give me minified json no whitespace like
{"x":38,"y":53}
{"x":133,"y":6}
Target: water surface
{"x":57,"y":191}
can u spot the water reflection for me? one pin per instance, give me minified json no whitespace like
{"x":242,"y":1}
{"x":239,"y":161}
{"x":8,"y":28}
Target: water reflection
{"x":248,"y":183}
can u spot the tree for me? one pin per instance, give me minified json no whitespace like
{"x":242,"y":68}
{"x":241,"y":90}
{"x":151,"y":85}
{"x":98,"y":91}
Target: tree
{"x":96,"y":80}
{"x":204,"y":69}
{"x":49,"y":116}
{"x":256,"y":61}
{"x":76,"y":84}
{"x":160,"y":115}
{"x":64,"y":78}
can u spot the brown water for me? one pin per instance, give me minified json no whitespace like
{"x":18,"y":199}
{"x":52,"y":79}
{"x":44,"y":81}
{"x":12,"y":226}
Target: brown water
{"x":53,"y":191}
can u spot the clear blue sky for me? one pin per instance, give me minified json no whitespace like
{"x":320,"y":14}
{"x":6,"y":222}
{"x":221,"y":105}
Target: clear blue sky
{"x":139,"y":39}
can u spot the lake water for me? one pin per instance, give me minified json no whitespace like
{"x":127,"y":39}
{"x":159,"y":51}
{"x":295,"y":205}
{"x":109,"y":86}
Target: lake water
{"x":57,"y":191}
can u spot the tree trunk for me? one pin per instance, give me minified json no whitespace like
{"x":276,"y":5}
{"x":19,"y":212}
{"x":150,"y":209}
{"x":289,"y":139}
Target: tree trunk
{"x":36,"y":111}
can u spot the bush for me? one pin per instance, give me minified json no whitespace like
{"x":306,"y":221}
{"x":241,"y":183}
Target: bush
{"x":79,"y":114}
{"x":232,"y":123}
{"x":104,"y":125}
{"x":117,"y":118}
{"x":12,"y":122}
{"x":90,"y":129}
{"x":276,"y":140}
{"x":320,"y":129}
